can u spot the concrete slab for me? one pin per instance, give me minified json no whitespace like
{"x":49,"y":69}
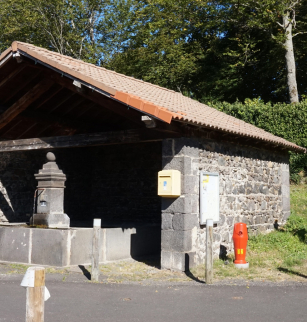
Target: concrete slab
{"x":50,"y":247}
{"x":118,"y":243}
{"x":81,"y":246}
{"x":14,"y":244}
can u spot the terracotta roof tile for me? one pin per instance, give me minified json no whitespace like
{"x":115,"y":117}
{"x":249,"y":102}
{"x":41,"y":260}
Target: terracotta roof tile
{"x":160,"y":102}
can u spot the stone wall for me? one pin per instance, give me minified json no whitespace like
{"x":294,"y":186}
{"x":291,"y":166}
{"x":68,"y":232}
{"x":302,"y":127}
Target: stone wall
{"x":254,"y":188}
{"x":115,"y":183}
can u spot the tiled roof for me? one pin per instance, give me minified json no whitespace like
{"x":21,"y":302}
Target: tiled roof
{"x":163,"y":103}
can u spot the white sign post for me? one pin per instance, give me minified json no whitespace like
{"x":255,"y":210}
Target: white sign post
{"x":96,"y":249}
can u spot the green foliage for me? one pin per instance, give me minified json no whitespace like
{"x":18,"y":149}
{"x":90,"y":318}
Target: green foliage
{"x":160,"y":48}
{"x":221,"y":50}
{"x":289,"y":246}
{"x":297,"y":226}
{"x":290,"y":241}
{"x":297,"y":222}
{"x":285,"y":120}
{"x":67,"y":27}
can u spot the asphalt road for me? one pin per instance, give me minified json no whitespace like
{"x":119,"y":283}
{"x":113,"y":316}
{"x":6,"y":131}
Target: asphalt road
{"x":74,"y":301}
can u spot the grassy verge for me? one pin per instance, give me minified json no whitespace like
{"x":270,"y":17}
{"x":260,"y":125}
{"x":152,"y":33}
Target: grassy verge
{"x":15,"y":268}
{"x":279,"y":255}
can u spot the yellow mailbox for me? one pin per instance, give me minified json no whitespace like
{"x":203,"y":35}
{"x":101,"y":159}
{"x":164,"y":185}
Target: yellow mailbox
{"x":169,"y":183}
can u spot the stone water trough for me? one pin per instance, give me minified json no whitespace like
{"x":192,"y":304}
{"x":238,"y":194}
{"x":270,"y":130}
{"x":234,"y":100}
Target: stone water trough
{"x":51,"y":241}
{"x":73,"y":246}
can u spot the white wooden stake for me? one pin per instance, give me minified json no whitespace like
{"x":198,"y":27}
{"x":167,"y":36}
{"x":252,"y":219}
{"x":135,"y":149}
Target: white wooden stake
{"x":209,"y":251}
{"x":96,"y":248}
{"x":35,"y":296}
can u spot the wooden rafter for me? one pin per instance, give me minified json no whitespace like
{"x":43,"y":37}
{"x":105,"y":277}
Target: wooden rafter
{"x":14,"y":73}
{"x":23,"y":86}
{"x":21,"y":104}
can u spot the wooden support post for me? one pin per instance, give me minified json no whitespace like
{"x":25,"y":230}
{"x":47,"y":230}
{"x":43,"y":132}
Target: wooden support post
{"x":209,"y":251}
{"x":35,"y":297}
{"x":96,"y":249}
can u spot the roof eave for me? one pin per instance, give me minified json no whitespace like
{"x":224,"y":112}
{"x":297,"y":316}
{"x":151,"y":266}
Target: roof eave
{"x":293,"y":147}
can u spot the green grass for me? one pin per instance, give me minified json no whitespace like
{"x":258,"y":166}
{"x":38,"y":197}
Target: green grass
{"x":17,"y":268}
{"x":278,"y":255}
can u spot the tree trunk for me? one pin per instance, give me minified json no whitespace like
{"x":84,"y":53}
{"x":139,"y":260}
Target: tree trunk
{"x":290,"y":60}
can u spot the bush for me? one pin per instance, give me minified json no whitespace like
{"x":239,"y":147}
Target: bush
{"x":285,"y":120}
{"x":297,"y":226}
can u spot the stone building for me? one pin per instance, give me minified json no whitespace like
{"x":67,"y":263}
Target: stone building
{"x":112,"y":134}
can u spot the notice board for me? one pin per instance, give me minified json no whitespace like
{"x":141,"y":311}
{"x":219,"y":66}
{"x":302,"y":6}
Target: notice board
{"x":209,"y":197}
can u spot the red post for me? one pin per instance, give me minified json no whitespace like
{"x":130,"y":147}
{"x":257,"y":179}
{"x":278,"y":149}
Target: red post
{"x":240,"y":238}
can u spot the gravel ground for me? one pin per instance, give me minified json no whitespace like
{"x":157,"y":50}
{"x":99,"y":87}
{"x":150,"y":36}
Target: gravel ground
{"x":140,"y":273}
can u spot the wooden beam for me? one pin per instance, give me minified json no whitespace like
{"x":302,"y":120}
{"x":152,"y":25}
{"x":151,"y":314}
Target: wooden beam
{"x":24,"y":102}
{"x":81,"y":140}
{"x":14,"y":73}
{"x":48,"y":97}
{"x":25,"y":85}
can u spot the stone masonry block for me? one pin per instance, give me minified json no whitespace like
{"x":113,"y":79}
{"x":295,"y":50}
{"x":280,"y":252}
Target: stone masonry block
{"x":183,"y":164}
{"x":179,"y":261}
{"x":285,"y":178}
{"x":167,"y":221}
{"x":285,"y":190}
{"x":183,"y":261}
{"x":51,"y":220}
{"x":168,"y":148}
{"x":185,"y":221}
{"x":176,"y":240}
{"x":187,"y":146}
{"x":195,"y":203}
{"x":166,"y":260}
{"x":189,"y":184}
{"x":285,"y":203}
{"x":185,"y":204}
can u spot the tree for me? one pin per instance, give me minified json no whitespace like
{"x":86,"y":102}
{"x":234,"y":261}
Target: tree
{"x":219,"y":50}
{"x":159,"y":46}
{"x":278,"y":19}
{"x":67,"y":27}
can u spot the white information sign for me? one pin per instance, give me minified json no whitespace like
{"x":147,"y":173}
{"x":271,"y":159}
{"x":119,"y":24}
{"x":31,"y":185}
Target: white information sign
{"x":209,"y":197}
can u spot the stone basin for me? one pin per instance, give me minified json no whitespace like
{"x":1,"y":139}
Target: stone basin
{"x":73,"y":246}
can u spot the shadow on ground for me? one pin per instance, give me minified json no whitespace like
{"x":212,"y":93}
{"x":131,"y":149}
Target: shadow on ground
{"x":194,"y":278}
{"x":85,"y":272}
{"x":290,"y":271}
{"x":153,"y":261}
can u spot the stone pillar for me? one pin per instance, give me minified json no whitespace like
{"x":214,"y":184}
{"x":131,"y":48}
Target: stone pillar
{"x":180,"y":215}
{"x":285,"y":190}
{"x":50,"y":196}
